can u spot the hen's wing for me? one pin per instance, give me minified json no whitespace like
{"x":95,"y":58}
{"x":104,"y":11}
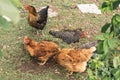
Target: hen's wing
{"x":39,"y":51}
{"x":77,"y":56}
{"x":36,"y":24}
{"x":82,"y":55}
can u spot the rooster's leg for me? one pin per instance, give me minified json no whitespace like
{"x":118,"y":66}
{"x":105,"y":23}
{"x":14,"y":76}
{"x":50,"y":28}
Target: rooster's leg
{"x":69,"y":73}
{"x":42,"y":32}
{"x":37,"y":32}
{"x":43,"y":60}
{"x":34,"y":31}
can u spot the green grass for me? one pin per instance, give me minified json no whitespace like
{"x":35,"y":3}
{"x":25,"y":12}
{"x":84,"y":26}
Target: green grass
{"x":14,"y":54}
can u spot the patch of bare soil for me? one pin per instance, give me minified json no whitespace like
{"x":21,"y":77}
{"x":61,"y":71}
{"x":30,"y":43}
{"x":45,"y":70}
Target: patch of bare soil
{"x":33,"y":66}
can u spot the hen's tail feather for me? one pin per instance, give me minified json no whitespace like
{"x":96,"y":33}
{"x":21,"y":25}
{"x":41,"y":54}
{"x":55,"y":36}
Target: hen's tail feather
{"x":47,"y":7}
{"x":44,"y":11}
{"x":55,"y":33}
{"x":90,"y":44}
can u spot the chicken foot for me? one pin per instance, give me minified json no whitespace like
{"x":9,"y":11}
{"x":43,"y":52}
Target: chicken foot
{"x":42,"y":63}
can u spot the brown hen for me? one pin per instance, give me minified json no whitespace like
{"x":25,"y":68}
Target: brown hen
{"x":41,"y":50}
{"x":74,"y":60}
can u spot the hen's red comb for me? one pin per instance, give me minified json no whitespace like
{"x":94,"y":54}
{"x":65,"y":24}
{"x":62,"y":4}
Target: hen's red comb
{"x":83,"y":34}
{"x":27,"y":7}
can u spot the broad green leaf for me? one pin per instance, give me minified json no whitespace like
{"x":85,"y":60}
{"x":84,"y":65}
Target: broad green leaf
{"x":115,"y":25}
{"x":107,"y":6}
{"x":112,"y":43}
{"x":105,"y":56}
{"x":105,"y":46}
{"x":117,"y":74}
{"x":100,"y":37}
{"x":104,"y":6}
{"x":113,"y":70}
{"x":103,"y":10}
{"x":106,"y":78}
{"x":105,"y":27}
{"x":9,"y":10}
{"x":100,"y":48}
{"x":112,"y":29}
{"x":115,"y":20}
{"x":116,"y":4}
{"x":103,"y":36}
{"x":110,"y":5}
{"x":17,"y":3}
{"x":118,"y":18}
{"x":106,"y":35}
{"x":0,"y":54}
{"x":4,"y":23}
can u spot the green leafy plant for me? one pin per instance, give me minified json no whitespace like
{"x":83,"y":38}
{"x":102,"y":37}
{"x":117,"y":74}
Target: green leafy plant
{"x":109,"y":39}
{"x":116,"y":73}
{"x":110,"y":5}
{"x":113,"y":27}
{"x":94,"y":66}
{"x":104,"y":70}
{"x":106,"y":66}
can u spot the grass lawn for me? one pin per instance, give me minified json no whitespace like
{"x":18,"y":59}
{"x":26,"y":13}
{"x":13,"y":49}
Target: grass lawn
{"x":16,"y":63}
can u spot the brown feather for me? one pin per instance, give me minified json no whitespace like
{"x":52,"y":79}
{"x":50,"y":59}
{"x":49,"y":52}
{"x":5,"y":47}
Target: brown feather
{"x":74,"y":60}
{"x":42,"y":50}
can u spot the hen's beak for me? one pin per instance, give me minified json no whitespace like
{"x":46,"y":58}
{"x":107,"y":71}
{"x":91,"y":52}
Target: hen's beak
{"x":26,"y":40}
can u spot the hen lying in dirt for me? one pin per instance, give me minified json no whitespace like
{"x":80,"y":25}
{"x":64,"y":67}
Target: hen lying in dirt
{"x":41,"y":50}
{"x":74,"y":60}
{"x":69,"y":36}
{"x":36,"y":19}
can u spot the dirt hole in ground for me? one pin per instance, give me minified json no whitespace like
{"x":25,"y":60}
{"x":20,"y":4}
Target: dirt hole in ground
{"x":34,"y":67}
